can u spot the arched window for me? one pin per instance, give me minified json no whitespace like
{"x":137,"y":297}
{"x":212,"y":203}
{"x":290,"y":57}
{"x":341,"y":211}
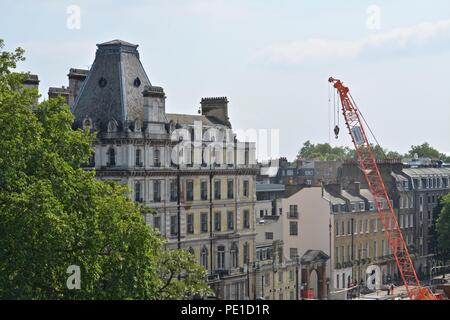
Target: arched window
{"x":191,"y":251}
{"x":157,"y":158}
{"x":234,"y":255}
{"x":204,"y":257}
{"x":138,"y":158}
{"x":111,"y":157}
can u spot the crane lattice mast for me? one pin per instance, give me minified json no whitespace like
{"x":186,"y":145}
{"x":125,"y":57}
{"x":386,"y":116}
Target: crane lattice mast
{"x":369,"y":167}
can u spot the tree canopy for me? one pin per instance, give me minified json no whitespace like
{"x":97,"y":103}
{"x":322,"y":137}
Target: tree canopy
{"x":324,"y":151}
{"x":441,"y":229}
{"x":54,"y":214}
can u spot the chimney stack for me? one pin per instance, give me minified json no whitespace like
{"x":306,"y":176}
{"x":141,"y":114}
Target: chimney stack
{"x":216,"y":108}
{"x":155,"y":109}
{"x":76,"y":79}
{"x":354,"y":187}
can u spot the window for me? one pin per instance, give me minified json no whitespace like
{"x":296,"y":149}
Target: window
{"x":246,"y":188}
{"x":111,"y":157}
{"x":157,"y":223}
{"x":349,"y":227}
{"x":293,"y":228}
{"x":293,"y":211}
{"x":138,"y":160}
{"x":156,"y":158}
{"x":337,"y":254}
{"x":291,"y":275}
{"x":189,"y":190}
{"x":371,"y":205}
{"x":246,"y":253}
{"x":353,"y":206}
{"x":293,"y":253}
{"x":204,"y":222}
{"x":246,"y":155}
{"x":217,"y":221}
{"x":230,"y":220}
{"x":204,"y":190}
{"x":375,"y":249}
{"x":267,"y":279}
{"x":138,"y":192}
{"x":190,"y":224}
{"x":204,"y":257}
{"x":230,"y":193}
{"x":382,"y":248}
{"x":343,"y":228}
{"x":157,"y":191}
{"x":362,"y":206}
{"x":361,"y":226}
{"x":280,"y":277}
{"x":173,"y":225}
{"x":220,"y":257}
{"x":337,"y":229}
{"x":234,"y":255}
{"x":246,"y":219}
{"x":335,"y":208}
{"x":366,"y":226}
{"x":217,"y":195}
{"x":337,"y":281}
{"x":173,"y":190}
{"x":102,"y":82}
{"x":269,"y":235}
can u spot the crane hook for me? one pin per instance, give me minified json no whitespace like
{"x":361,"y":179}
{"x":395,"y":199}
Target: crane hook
{"x":336,"y":131}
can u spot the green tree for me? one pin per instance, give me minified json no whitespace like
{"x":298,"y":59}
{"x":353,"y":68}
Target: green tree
{"x":434,"y":235}
{"x":324,"y":151}
{"x":424,"y":151}
{"x":443,"y":229}
{"x":53,"y":214}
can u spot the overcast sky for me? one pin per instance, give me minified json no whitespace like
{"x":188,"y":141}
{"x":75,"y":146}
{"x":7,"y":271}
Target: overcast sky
{"x":271,"y":59}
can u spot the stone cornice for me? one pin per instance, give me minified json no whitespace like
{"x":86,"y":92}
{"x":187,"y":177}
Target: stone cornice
{"x":106,"y":172}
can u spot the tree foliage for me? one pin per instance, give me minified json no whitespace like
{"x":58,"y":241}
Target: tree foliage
{"x":54,"y":214}
{"x":426,"y":151}
{"x":442,"y":229}
{"x":324,"y":151}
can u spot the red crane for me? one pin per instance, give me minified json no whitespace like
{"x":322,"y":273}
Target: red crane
{"x":376,"y":185}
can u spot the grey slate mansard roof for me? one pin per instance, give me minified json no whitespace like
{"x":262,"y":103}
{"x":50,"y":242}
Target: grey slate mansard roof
{"x":187,"y":119}
{"x":334,"y":200}
{"x":116,"y":66}
{"x":419,"y":172}
{"x":351,"y":197}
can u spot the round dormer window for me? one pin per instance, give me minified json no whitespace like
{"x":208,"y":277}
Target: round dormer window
{"x":137,"y":82}
{"x":102,"y":82}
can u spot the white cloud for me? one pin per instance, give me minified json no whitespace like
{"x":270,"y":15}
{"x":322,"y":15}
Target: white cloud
{"x":421,"y":36}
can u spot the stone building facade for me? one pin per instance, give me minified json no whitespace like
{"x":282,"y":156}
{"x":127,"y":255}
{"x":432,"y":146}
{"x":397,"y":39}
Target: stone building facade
{"x":190,"y":168}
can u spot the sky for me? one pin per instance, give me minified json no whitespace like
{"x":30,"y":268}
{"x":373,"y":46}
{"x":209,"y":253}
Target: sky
{"x":270,"y":58}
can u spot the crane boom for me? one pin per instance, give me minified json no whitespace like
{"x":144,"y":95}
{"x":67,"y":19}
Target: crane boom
{"x":369,"y":167}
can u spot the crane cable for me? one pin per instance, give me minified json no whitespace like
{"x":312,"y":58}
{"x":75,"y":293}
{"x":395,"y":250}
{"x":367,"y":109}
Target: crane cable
{"x":329,"y":113}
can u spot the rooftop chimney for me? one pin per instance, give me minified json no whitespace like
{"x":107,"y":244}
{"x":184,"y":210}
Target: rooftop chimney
{"x":354,"y":187}
{"x":216,"y":108}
